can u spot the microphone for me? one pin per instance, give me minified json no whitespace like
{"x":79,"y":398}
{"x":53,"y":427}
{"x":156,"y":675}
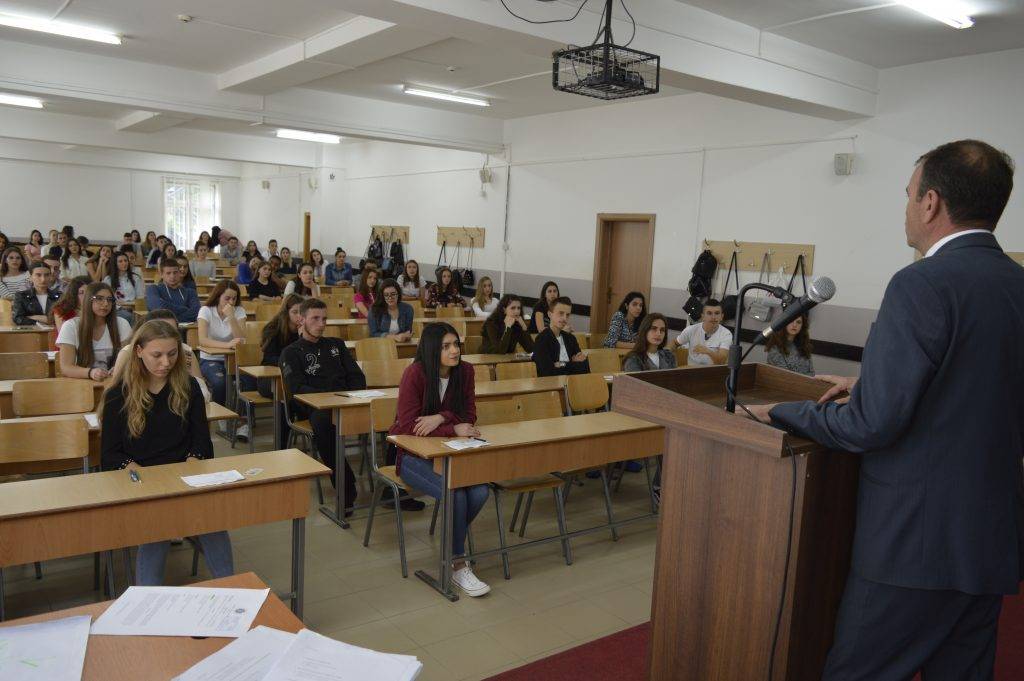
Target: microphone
{"x":820,"y":290}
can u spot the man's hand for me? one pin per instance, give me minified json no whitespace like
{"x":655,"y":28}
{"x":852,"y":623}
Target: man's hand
{"x":701,"y":350}
{"x":466,"y":430}
{"x":425,"y":425}
{"x":840,"y":384}
{"x":579,"y":357}
{"x":760,"y":412}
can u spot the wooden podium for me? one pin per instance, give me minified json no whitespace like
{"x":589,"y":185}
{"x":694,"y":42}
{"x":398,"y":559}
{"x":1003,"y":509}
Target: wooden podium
{"x":728,"y":487}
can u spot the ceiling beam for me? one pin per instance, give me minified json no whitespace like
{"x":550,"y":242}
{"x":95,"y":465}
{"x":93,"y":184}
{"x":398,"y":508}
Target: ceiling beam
{"x":149,"y":121}
{"x":358,"y":41}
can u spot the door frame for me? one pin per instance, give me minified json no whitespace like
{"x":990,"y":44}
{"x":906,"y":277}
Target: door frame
{"x":602,"y":243}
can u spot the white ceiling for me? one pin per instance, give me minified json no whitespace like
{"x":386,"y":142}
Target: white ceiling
{"x":883,"y":37}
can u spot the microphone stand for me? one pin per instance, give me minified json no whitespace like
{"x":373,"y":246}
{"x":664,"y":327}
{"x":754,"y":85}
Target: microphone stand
{"x":735,"y":357}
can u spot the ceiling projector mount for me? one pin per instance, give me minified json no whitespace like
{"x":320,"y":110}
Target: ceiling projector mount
{"x":603,"y":69}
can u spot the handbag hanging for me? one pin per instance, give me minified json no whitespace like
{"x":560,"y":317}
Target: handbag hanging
{"x":442,"y":261}
{"x":758,"y":308}
{"x":468,"y":276}
{"x":456,"y":270}
{"x":799,"y":267}
{"x":730,"y":301}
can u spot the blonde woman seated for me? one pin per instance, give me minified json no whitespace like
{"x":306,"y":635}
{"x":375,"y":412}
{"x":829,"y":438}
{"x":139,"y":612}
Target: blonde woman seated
{"x":155,"y":414}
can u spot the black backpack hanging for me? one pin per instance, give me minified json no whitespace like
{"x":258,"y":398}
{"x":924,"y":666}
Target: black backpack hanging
{"x":799,"y":267}
{"x":703,"y":271}
{"x":397,"y":256}
{"x":375,"y":250}
{"x":456,"y":271}
{"x":730,"y":301}
{"x":468,"y":276}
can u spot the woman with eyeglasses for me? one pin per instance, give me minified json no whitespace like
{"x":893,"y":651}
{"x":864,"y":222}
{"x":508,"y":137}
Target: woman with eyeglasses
{"x":89,"y":342}
{"x":389,"y":316}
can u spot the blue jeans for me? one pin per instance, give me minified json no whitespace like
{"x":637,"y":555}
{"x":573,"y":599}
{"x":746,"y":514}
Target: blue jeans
{"x":151,"y":558}
{"x":419,"y":474}
{"x":215,"y":374}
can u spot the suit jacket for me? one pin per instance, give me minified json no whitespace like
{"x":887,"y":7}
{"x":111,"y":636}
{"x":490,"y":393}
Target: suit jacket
{"x":26,"y":304}
{"x":546,"y":353}
{"x":938,"y":415}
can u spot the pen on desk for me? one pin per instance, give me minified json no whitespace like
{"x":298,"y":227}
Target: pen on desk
{"x":478,"y":439}
{"x":134,"y":476}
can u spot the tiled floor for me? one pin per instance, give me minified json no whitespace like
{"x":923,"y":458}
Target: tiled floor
{"x":357,"y":594}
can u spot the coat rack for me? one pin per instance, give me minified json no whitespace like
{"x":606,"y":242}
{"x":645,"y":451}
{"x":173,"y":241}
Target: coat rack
{"x":751,"y":254}
{"x":467,"y":237}
{"x":388,"y":233}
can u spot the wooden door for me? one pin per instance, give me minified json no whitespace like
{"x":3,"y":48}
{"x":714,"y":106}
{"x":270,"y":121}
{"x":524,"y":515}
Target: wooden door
{"x":622,"y":263}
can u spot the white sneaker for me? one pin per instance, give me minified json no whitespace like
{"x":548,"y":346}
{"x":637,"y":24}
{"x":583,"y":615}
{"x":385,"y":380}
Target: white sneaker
{"x":467,"y":581}
{"x":243,"y":432}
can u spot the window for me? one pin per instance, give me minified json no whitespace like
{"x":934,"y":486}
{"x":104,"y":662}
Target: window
{"x":190,"y":206}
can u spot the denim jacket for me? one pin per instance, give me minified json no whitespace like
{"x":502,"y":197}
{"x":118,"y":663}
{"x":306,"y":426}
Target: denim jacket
{"x":380,"y":325}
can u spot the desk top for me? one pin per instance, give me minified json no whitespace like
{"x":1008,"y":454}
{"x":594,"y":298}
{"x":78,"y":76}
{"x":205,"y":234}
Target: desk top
{"x":214,"y":412}
{"x":494,"y":359}
{"x":129,"y":658}
{"x":8,"y":386}
{"x":526,"y":433}
{"x":35,"y":328}
{"x":261,"y":371}
{"x":52,"y":495}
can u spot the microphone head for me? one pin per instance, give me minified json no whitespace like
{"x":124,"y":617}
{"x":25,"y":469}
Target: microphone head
{"x":821,"y":289}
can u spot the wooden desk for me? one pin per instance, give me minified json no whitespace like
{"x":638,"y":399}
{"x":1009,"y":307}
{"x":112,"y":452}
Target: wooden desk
{"x":525,"y":449}
{"x":406,"y":350}
{"x":474,"y":325}
{"x":7,"y":390}
{"x":496,"y":359}
{"x":51,"y":518}
{"x":25,"y":338}
{"x":229,"y":370}
{"x":130,"y":658}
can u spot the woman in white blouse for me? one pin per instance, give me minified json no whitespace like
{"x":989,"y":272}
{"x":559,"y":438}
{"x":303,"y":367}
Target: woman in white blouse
{"x":13,"y":273}
{"x":89,"y":342}
{"x":304,"y":283}
{"x":484,"y":302}
{"x":127,"y":287}
{"x":72,"y":264}
{"x":409,"y":280}
{"x":221,"y":325}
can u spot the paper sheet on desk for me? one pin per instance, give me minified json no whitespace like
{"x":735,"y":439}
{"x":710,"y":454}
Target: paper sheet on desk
{"x":93,"y":420}
{"x":364,"y":393}
{"x":313,"y":657}
{"x":467,"y":443}
{"x":50,"y":651}
{"x":181,"y":611}
{"x":51,"y":355}
{"x":209,"y":479}
{"x":248,"y":658}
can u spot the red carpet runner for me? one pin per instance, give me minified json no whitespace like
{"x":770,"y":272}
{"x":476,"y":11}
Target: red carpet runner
{"x":623,"y":656}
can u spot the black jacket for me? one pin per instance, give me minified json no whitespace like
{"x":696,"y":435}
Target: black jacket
{"x":546,"y":353}
{"x":938,"y":415}
{"x":501,"y":340}
{"x":319,"y":367}
{"x":272,"y":357}
{"x":26,"y":304}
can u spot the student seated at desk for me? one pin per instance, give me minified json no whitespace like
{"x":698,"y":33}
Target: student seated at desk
{"x":170,"y":294}
{"x":708,"y":342}
{"x":263,"y":287}
{"x":484,"y":302}
{"x":792,"y":350}
{"x":248,"y":267}
{"x":187,"y":280}
{"x":366,"y":292}
{"x":52,"y":260}
{"x":221,"y":325}
{"x":88,"y":343}
{"x":191,"y":362}
{"x":444,"y":292}
{"x":127,"y":285}
{"x":33,"y":306}
{"x":201,"y":265}
{"x":304,"y":282}
{"x":315,"y":364}
{"x":539,"y":319}
{"x":506,"y":328}
{"x":155,"y":414}
{"x":437,"y":398}
{"x":231,"y":251}
{"x":409,"y":280}
{"x":316,"y":259}
{"x":72,"y":264}
{"x":288,"y":265}
{"x":338,"y":273}
{"x":625,"y":323}
{"x":389,"y":316}
{"x":99,"y":264}
{"x":69,"y":304}
{"x":556,"y":351}
{"x":13,"y":273}
{"x":280,"y":332}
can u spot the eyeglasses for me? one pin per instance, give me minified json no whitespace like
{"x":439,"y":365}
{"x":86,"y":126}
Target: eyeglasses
{"x":390,"y":294}
{"x":103,"y":299}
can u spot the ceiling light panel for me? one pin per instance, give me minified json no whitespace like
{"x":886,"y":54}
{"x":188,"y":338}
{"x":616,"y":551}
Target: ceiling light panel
{"x":949,"y":12}
{"x":61,"y":28}
{"x":446,"y":96}
{"x":308,"y":136}
{"x":21,"y":100}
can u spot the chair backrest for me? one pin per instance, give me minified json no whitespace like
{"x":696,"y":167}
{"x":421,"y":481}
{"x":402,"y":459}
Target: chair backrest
{"x":471,"y":346}
{"x":192,"y":336}
{"x":17,"y":365}
{"x":417,"y":329}
{"x":582,"y":339}
{"x":140,"y":305}
{"x":266,"y":311}
{"x":384,"y":373}
{"x":448,"y":312}
{"x":682,"y":356}
{"x":338,"y":309}
{"x":587,"y":392}
{"x":496,"y":411}
{"x":254,"y":333}
{"x":482,"y":372}
{"x":382,"y":413}
{"x":50,"y":396}
{"x":248,"y":354}
{"x":202,"y":280}
{"x":604,"y":361}
{"x":19,"y":342}
{"x":27,"y":442}
{"x":508,"y":370}
{"x":6,"y":312}
{"x":358,"y":331}
{"x":250,"y":306}
{"x":597,"y":340}
{"x":376,"y":348}
{"x":417,"y":307}
{"x":534,"y":406}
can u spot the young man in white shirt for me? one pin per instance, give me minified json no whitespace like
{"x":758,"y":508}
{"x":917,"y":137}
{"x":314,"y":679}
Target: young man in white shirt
{"x":707,"y":342}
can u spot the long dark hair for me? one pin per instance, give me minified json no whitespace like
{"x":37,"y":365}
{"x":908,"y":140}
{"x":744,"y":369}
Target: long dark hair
{"x":428,"y":356}
{"x":278,"y":326}
{"x":452,"y":288}
{"x":379,"y":306}
{"x":213,"y":300}
{"x":498,"y":316}
{"x":68,"y":301}
{"x":301,"y":288}
{"x":365,"y":290}
{"x":802,"y":342}
{"x":115,"y":274}
{"x":405,"y":272}
{"x":67,"y":252}
{"x":624,"y":306}
{"x":87,"y":323}
{"x":542,"y":300}
{"x":8,"y":251}
{"x":640,"y":349}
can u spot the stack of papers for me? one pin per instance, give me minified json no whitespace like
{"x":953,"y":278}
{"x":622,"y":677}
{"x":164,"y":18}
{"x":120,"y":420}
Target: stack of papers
{"x":465,"y":443}
{"x":365,"y":394}
{"x":210,"y":479}
{"x":48,"y":651}
{"x":265,"y":654}
{"x":181,"y":611}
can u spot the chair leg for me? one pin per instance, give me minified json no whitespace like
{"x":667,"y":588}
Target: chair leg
{"x":566,"y":488}
{"x":369,"y":518}
{"x":562,"y":527}
{"x":39,"y":570}
{"x":526,"y":514}
{"x":433,"y":518}
{"x":501,"y":531}
{"x":250,"y":420}
{"x":650,"y":484}
{"x":108,"y":564}
{"x":96,"y":571}
{"x":195,"y":562}
{"x":622,"y":474}
{"x":401,"y":534}
{"x":515,"y":512}
{"x":608,"y":502}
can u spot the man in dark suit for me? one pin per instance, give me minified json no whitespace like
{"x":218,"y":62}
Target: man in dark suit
{"x":938,"y":414}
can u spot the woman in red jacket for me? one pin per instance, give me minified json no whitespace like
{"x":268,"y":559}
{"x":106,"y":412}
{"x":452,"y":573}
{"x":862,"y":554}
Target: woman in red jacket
{"x":436,"y":399}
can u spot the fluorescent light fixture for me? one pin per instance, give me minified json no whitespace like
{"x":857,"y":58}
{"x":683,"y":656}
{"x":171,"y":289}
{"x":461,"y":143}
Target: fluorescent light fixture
{"x":307,"y":136}
{"x":21,"y":100}
{"x":60,"y":28}
{"x":949,"y":12}
{"x":448,"y":97}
